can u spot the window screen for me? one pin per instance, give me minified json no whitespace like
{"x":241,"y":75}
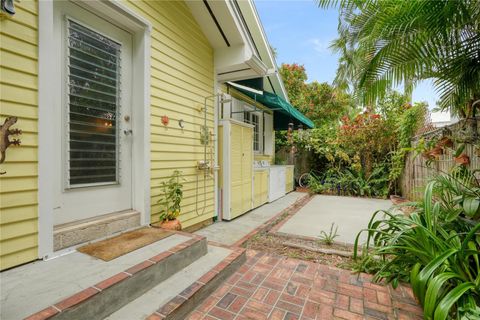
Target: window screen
{"x":93,"y":99}
{"x":256,"y":132}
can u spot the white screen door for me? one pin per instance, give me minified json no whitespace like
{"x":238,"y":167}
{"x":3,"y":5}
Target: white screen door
{"x":93,"y":113}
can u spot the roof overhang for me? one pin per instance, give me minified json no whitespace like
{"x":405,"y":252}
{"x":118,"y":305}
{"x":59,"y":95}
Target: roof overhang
{"x":222,"y":22}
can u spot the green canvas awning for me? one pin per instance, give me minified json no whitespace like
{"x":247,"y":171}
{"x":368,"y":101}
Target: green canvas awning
{"x":284,"y":112}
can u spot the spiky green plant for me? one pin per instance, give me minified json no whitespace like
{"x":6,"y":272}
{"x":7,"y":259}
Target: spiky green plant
{"x":436,"y":248}
{"x":329,"y":238}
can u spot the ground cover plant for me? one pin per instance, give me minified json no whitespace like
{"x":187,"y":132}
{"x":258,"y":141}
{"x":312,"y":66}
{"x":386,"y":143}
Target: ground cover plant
{"x":436,"y":248}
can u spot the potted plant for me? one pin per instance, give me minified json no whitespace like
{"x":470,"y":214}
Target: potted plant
{"x":170,"y":201}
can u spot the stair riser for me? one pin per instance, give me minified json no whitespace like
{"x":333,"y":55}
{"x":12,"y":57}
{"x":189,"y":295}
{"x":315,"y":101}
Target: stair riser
{"x":113,"y":298}
{"x":182,"y":311}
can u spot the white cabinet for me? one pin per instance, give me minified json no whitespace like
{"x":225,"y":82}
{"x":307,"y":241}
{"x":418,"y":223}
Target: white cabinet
{"x":277,"y":183}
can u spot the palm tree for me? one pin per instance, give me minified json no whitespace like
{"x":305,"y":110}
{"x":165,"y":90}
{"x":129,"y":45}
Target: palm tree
{"x":387,"y":43}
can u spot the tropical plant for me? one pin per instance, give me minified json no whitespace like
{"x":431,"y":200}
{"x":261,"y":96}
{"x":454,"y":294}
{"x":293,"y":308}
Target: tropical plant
{"x":329,"y":238}
{"x":321,"y":102}
{"x":387,"y":43}
{"x":172,"y":197}
{"x":436,"y":248}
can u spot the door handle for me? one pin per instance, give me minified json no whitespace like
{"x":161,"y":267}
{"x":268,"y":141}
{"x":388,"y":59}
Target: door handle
{"x":127,"y":132}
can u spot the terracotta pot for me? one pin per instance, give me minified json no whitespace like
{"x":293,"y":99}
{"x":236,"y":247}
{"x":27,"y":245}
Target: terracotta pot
{"x":462,"y":159}
{"x":174,"y":225}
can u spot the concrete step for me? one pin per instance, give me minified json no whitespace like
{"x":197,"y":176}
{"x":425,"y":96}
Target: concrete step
{"x":185,"y":289}
{"x":78,"y":286}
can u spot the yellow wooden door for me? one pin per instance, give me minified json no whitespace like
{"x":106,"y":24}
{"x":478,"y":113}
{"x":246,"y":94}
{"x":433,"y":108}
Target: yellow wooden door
{"x":247,"y":168}
{"x":289,"y":179}
{"x":236,"y":166}
{"x":260,"y":188}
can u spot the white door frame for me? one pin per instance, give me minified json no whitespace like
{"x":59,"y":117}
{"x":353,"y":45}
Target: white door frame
{"x":140,"y":28}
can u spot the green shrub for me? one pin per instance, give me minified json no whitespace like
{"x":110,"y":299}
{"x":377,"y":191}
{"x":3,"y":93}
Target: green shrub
{"x":436,"y":248}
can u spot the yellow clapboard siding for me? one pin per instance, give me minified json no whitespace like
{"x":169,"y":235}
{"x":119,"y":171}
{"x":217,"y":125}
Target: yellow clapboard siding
{"x":11,"y":245}
{"x":17,"y":199}
{"x":174,"y":116}
{"x":160,"y":68}
{"x":189,"y":211}
{"x":27,"y":5}
{"x":187,"y":71}
{"x":165,"y":17}
{"x":162,"y":37}
{"x":18,"y":229}
{"x":182,"y":76}
{"x":19,"y":154}
{"x":181,"y":163}
{"x":17,"y":183}
{"x":197,"y":87}
{"x":173,"y":132}
{"x":26,"y":16}
{"x":19,"y":110}
{"x":20,"y":169}
{"x":18,"y":62}
{"x":196,"y":219}
{"x":18,"y":214}
{"x":15,"y":27}
{"x":18,"y":257}
{"x":190,"y":94}
{"x":163,"y":156}
{"x":19,"y":46}
{"x":189,"y":200}
{"x":18,"y":79}
{"x":19,"y":98}
{"x":160,"y":106}
{"x":18,"y":94}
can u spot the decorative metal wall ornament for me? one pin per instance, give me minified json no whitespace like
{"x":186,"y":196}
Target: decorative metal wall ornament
{"x":181,"y":123}
{"x":5,"y":133}
{"x":8,"y":7}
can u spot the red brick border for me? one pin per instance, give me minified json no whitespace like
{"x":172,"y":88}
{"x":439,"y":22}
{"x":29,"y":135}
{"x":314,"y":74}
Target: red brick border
{"x":89,"y":292}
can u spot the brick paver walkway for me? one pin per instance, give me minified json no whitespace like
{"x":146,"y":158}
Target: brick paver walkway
{"x":272,"y":287}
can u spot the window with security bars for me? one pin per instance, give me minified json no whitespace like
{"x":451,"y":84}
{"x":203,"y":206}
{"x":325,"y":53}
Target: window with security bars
{"x":93,"y":101}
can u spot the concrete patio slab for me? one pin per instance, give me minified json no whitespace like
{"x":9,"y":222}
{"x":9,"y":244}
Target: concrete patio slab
{"x":229,"y":232}
{"x":45,"y":282}
{"x":350,"y":215}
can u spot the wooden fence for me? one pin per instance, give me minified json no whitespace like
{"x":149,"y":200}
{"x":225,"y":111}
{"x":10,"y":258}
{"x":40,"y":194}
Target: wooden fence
{"x":416,"y":173}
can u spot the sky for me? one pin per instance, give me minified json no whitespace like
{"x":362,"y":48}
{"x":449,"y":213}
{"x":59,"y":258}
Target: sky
{"x":301,"y":32}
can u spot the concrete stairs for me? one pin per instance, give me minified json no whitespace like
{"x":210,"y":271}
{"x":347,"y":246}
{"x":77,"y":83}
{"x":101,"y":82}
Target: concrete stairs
{"x":167,"y":285}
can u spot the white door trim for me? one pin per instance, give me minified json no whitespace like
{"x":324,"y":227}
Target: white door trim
{"x":140,"y":28}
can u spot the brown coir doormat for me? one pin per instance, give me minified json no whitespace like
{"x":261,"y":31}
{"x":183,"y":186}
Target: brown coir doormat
{"x":115,"y":247}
